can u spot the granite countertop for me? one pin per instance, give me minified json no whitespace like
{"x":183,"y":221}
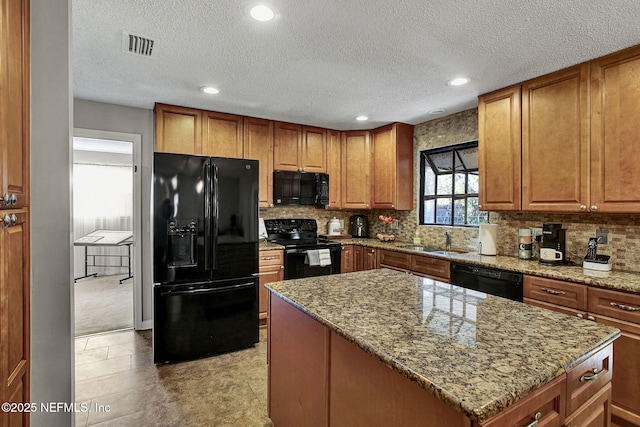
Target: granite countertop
{"x":268,"y":246}
{"x":618,"y":280}
{"x":476,"y":352}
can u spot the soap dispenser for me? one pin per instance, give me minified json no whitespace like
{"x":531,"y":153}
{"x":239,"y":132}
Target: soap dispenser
{"x":416,"y":239}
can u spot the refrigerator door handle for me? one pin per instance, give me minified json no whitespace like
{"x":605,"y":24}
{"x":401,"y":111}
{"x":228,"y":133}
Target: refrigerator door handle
{"x":207,"y":216}
{"x":207,"y":290}
{"x":213,"y":237}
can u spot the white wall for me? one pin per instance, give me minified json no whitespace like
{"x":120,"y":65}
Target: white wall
{"x":51,"y":278}
{"x":118,"y":118}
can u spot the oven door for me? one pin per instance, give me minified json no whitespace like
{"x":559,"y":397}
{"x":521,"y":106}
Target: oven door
{"x":296,"y":264}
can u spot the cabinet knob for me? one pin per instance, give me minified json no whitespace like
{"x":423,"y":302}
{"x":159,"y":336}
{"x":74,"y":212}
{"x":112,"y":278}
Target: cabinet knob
{"x":271,"y":205}
{"x":579,"y":315}
{"x":366,"y":206}
{"x":14,"y":219}
{"x":6,"y":199}
{"x":583,"y":208}
{"x":593,"y":208}
{"x":393,"y":206}
{"x":7,"y":220}
{"x":591,"y":318}
{"x":480,"y":207}
{"x":282,"y":267}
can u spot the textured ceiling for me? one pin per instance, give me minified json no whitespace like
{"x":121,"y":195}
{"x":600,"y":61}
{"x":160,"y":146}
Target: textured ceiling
{"x":324,"y":62}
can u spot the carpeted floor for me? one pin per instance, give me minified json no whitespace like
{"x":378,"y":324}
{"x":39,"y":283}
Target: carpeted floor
{"x":102,"y":304}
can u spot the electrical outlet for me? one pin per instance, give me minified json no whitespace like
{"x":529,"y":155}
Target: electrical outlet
{"x":602,"y":236}
{"x":394,"y":225}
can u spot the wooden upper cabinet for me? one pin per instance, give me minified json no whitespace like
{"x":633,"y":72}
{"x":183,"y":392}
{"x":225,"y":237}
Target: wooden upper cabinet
{"x":14,"y":104}
{"x":499,"y":139}
{"x":555,"y":141}
{"x":334,"y":169}
{"x":313,"y":153}
{"x":286,"y":146}
{"x":299,"y":148}
{"x":222,"y":134}
{"x":258,"y":145}
{"x":178,"y":129}
{"x":392,"y":167}
{"x":356,"y":160}
{"x":615,"y":130}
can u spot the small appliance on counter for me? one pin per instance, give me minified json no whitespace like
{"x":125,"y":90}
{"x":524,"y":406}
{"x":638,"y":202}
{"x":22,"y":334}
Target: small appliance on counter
{"x":552,"y":250}
{"x":488,"y":239}
{"x":525,"y":244}
{"x":359,"y":225}
{"x":593,"y":261}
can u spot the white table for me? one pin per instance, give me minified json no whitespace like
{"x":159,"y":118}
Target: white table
{"x":105,"y":238}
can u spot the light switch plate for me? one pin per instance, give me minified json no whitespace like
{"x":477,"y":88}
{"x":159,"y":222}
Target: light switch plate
{"x":602,"y":236}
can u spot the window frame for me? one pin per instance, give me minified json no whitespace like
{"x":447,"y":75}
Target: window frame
{"x":452,"y":197}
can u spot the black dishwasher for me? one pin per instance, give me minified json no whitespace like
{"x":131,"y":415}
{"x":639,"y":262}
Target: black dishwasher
{"x":506,"y":284}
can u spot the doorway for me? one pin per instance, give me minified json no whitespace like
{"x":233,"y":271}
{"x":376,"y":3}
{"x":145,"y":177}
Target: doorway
{"x":106,"y":230}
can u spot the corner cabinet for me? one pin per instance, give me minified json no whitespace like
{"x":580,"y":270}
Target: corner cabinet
{"x":499,"y":152}
{"x":178,"y":129}
{"x":15,"y":268}
{"x":356,"y":166}
{"x":615,"y":126}
{"x":392,"y":167}
{"x":334,"y":169}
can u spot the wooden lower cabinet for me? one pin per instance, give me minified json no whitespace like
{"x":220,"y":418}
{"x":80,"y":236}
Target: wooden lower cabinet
{"x":14,"y":315}
{"x":317,"y":378}
{"x":346,"y":259}
{"x":270,"y":269}
{"x":597,"y":304}
{"x":364,"y":258}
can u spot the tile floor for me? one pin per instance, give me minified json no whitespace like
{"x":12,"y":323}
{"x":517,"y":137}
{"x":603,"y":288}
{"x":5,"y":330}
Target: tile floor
{"x":116,"y":369}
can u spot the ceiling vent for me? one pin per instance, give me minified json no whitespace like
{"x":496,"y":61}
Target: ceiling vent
{"x":138,"y":45}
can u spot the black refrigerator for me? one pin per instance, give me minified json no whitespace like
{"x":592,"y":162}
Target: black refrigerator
{"x":205,"y":256}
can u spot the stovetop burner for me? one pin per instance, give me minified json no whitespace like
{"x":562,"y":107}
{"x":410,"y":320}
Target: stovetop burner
{"x":296,"y":232}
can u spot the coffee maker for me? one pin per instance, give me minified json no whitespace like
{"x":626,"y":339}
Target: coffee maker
{"x":552,"y":249}
{"x":359,"y":225}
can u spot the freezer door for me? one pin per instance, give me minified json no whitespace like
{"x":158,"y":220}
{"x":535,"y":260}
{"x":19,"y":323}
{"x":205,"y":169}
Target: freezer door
{"x":199,"y":320}
{"x":180,"y":218}
{"x":235,"y":212}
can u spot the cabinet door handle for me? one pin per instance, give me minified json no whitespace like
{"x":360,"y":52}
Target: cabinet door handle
{"x":536,"y":418}
{"x":267,"y":258}
{"x":552,"y":291}
{"x":590,"y":375}
{"x":624,"y":307}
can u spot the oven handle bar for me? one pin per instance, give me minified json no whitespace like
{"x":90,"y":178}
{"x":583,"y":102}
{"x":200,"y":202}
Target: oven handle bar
{"x":304,"y":251}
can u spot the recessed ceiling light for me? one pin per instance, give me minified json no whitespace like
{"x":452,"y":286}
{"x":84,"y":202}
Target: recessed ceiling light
{"x":362,"y":118}
{"x":437,"y":111}
{"x":261,"y":13}
{"x":458,"y":81}
{"x":210,"y":90}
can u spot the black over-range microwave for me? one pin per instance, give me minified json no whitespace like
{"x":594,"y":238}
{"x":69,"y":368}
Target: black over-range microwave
{"x":300,"y":188}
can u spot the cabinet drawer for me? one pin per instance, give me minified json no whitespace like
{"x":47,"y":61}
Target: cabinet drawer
{"x":271,"y":257}
{"x":570,"y":295}
{"x":394,"y":259}
{"x":430,"y":266}
{"x":553,"y":307}
{"x":584,"y":380}
{"x":619,"y":305}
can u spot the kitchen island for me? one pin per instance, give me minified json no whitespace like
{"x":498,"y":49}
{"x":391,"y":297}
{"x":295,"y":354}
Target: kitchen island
{"x":386,"y":348}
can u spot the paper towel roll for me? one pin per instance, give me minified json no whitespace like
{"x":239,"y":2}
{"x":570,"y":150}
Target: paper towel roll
{"x":488,"y":239}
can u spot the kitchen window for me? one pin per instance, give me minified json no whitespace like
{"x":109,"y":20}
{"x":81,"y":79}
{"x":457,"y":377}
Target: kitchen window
{"x":449,"y":186}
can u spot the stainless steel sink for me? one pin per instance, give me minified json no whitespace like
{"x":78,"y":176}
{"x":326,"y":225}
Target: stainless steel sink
{"x":427,"y":250}
{"x":419,"y":248}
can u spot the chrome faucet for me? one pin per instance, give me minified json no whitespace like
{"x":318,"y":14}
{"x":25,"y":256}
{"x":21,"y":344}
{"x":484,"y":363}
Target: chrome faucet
{"x":447,"y":244}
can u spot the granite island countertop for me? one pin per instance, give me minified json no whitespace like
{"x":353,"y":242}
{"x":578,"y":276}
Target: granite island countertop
{"x":476,"y":352}
{"x":618,"y":280}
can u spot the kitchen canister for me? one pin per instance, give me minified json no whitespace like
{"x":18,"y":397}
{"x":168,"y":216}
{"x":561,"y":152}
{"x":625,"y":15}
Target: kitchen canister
{"x":525,"y":243}
{"x":334,"y":227}
{"x":488,"y":239}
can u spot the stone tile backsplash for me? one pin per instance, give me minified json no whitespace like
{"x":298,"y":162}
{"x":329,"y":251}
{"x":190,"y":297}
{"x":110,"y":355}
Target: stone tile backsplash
{"x":624,"y":230}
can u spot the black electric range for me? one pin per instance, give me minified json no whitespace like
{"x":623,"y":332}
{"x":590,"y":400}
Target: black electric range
{"x":299,"y":237}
